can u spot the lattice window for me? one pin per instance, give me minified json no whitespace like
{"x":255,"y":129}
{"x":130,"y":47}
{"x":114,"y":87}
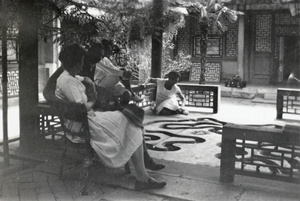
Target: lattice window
{"x":214,"y":47}
{"x":263,"y":33}
{"x":232,"y":40}
{"x":287,"y":31}
{"x":212,"y":72}
{"x":12,"y":83}
{"x":195,"y":72}
{"x":286,"y":19}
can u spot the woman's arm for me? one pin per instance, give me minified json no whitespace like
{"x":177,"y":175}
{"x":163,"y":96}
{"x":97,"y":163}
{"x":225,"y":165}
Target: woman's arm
{"x":90,"y":92}
{"x":181,"y":96}
{"x":148,"y":80}
{"x":106,"y":66}
{"x":72,"y":93}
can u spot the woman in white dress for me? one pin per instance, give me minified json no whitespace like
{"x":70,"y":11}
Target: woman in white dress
{"x":166,"y":95}
{"x":114,"y":137}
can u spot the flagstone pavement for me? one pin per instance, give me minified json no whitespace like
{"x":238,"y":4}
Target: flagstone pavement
{"x":191,"y":173}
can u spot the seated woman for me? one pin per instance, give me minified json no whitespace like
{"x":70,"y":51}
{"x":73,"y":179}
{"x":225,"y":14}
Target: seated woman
{"x":102,"y":95}
{"x":114,"y":136}
{"x":103,"y":77}
{"x":166,"y":101}
{"x":107,"y":76}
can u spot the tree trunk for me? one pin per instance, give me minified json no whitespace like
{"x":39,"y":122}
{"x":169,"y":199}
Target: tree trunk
{"x":28,"y":73}
{"x":203,"y":48}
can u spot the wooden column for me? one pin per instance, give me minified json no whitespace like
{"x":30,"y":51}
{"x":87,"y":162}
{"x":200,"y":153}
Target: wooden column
{"x":4,"y":81}
{"x":157,"y":40}
{"x":241,"y":47}
{"x":281,"y":59}
{"x":28,"y":73}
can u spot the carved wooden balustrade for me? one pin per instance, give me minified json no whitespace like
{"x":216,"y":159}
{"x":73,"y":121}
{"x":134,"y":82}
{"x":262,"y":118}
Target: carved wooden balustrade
{"x":288,"y":102}
{"x":270,"y":152}
{"x":204,"y":96}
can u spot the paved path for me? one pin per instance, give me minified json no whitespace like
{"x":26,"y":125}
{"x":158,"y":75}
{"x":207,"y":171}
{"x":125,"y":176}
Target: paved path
{"x":192,"y":173}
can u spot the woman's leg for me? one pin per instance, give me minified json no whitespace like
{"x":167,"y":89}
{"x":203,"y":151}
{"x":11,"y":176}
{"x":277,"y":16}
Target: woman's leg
{"x":138,"y":163}
{"x":166,"y":111}
{"x":150,"y":163}
{"x":143,"y":180}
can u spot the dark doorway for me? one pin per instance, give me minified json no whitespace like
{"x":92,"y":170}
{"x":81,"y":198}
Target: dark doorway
{"x":291,"y":58}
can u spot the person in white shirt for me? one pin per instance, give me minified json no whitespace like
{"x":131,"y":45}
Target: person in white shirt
{"x":166,"y":95}
{"x":109,"y":76}
{"x":116,"y":136}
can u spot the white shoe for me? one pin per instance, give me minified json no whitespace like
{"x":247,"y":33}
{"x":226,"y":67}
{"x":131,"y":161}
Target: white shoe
{"x":185,"y":112}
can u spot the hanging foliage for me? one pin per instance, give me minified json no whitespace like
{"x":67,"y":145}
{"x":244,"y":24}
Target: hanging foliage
{"x":128,"y":21}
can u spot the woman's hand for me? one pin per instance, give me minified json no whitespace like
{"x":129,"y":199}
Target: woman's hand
{"x":146,"y":82}
{"x":91,"y":90}
{"x":88,"y":80}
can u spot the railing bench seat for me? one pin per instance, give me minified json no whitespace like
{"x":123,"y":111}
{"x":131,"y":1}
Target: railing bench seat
{"x":269,"y":152}
{"x":288,"y":101}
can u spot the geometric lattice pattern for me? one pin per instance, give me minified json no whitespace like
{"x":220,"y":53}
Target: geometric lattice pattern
{"x":287,"y":31}
{"x":268,"y":158}
{"x":285,"y":25}
{"x":231,"y":40}
{"x":291,"y":104}
{"x":200,"y":96}
{"x":263,"y":33}
{"x":12,"y":83}
{"x":195,"y":72}
{"x":265,"y":151}
{"x":212,"y":72}
{"x":288,"y":101}
{"x":286,"y":19}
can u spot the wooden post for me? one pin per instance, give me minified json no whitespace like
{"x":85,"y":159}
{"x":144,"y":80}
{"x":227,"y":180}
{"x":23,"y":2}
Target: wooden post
{"x":157,"y":41}
{"x":241,"y":46}
{"x":28,"y":73}
{"x":4,"y":82}
{"x":227,"y":158}
{"x":279,"y":104}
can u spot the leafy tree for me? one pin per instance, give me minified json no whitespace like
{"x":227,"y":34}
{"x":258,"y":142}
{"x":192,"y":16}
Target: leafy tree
{"x":129,"y":21}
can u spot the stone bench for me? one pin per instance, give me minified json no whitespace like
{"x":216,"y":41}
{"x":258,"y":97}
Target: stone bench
{"x":269,"y":152}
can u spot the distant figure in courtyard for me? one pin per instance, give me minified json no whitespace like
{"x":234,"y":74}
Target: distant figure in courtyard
{"x":166,"y":95}
{"x":116,"y":136}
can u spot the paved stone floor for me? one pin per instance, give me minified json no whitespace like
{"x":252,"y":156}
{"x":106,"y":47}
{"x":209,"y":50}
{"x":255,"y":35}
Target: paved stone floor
{"x":192,"y":172}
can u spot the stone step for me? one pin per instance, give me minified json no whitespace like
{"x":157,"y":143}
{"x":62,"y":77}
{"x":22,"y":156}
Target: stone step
{"x":270,"y":96}
{"x":263,"y":100}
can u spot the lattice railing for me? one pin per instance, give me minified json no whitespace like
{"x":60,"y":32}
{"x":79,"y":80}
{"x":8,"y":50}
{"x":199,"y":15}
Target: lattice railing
{"x":12,"y":82}
{"x":148,"y":93}
{"x":201,"y":95}
{"x":270,"y":152}
{"x":196,"y":95}
{"x":288,"y":101}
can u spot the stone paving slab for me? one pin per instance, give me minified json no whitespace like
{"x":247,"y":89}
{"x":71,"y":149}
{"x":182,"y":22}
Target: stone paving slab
{"x":184,"y":182}
{"x":192,"y":173}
